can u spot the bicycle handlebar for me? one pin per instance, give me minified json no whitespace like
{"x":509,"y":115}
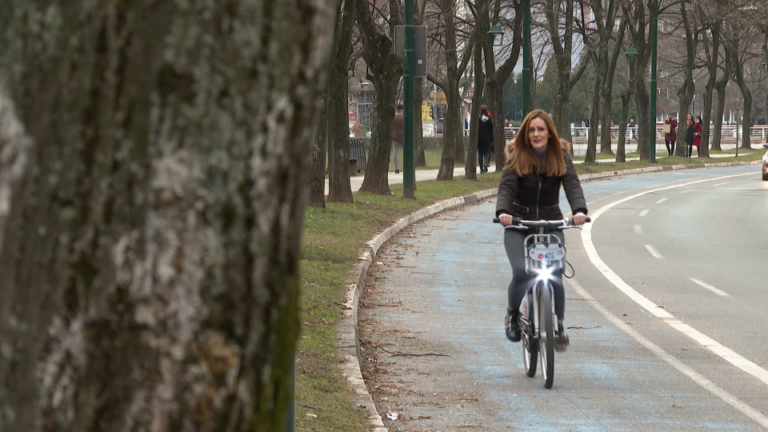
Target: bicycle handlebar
{"x":541,"y":223}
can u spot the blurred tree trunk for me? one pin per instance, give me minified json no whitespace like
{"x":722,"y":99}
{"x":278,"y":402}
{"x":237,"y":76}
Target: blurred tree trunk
{"x":470,"y":171}
{"x":317,"y":181}
{"x":621,"y":152}
{"x":562,"y":46}
{"x":686,"y":92}
{"x":746,"y":94}
{"x":721,"y":87}
{"x":386,"y":69}
{"x":712,"y":43}
{"x":637,"y":28}
{"x":155,"y":178}
{"x":337,"y":107}
{"x":418,"y":145}
{"x":453,"y":130}
{"x":496,"y":79}
{"x":607,"y":89}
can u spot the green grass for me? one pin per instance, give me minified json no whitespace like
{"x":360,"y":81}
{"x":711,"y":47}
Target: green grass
{"x":432,"y":157}
{"x":330,"y":245}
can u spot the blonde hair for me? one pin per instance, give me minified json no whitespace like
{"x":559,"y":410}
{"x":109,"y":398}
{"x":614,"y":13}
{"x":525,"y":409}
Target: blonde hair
{"x":521,"y":157}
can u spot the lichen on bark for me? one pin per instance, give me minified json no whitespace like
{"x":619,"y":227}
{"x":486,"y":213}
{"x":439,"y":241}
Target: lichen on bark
{"x":149,"y":250}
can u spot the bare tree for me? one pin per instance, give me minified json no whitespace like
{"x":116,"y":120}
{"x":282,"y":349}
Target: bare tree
{"x":607,"y":89}
{"x":337,"y":106}
{"x":686,"y":92}
{"x":560,"y":18}
{"x":496,"y":78}
{"x":449,"y":83}
{"x":386,"y":69}
{"x":319,"y":154}
{"x":637,"y":15}
{"x":154,"y":181}
{"x":603,"y":23}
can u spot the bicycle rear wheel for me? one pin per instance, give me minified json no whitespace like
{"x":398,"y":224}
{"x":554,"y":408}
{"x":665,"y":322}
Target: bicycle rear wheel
{"x":546,"y":335}
{"x":530,"y":343}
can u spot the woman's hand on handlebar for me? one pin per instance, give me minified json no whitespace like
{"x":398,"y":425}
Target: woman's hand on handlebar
{"x":505,"y":219}
{"x":579,"y":219}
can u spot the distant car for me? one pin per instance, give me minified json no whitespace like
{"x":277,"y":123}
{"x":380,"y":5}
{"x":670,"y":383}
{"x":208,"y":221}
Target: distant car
{"x":765,"y":163}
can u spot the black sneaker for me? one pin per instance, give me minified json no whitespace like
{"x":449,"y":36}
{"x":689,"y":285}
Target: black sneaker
{"x":512,"y":327}
{"x":561,"y":338}
{"x":397,"y":171}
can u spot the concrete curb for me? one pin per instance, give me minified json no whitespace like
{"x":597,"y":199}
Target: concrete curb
{"x":347,"y":336}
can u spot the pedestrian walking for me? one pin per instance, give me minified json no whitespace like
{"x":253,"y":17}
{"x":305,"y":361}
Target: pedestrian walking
{"x":670,"y":133}
{"x":632,"y":126}
{"x":697,"y":135}
{"x":397,"y":136}
{"x":689,"y":135}
{"x":484,"y":139}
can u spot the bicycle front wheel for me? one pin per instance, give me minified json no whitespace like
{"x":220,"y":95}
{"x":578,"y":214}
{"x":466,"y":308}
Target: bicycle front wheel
{"x":530,"y":343}
{"x":546,"y":335}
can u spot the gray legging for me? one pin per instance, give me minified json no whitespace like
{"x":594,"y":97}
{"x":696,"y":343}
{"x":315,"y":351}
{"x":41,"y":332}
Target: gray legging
{"x":521,"y":280}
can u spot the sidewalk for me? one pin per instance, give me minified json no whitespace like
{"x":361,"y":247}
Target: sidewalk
{"x":422,"y":175}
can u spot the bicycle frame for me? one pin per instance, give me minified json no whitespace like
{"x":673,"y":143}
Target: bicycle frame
{"x":544,"y":255}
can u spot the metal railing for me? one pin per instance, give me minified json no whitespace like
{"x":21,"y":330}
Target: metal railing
{"x":729,"y":134}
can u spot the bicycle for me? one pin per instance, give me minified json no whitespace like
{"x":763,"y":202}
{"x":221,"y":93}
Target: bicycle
{"x":544,"y":255}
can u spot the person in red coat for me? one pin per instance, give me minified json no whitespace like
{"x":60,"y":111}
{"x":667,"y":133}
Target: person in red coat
{"x":697,"y":135}
{"x":671,"y":136}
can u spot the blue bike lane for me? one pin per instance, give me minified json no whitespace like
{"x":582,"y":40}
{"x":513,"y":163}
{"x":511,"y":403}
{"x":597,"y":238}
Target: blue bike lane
{"x":431,"y":322}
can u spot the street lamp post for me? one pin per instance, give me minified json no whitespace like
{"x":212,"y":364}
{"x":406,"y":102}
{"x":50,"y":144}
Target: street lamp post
{"x":527,"y":58}
{"x":514,"y":101}
{"x":655,"y":31}
{"x":409,"y":102}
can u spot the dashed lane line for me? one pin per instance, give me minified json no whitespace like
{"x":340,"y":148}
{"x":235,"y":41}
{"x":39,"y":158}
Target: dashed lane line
{"x":686,"y":370}
{"x":705,"y":285}
{"x":653,"y":251}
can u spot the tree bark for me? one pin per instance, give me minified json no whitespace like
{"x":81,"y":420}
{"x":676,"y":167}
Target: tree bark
{"x":496,"y":79}
{"x":153,"y":213}
{"x":607,"y":90}
{"x":420,"y":156}
{"x":746,"y":94}
{"x":594,"y":117}
{"x":637,"y":28}
{"x":686,"y":92}
{"x":386,"y":69}
{"x":712,"y":66}
{"x":643,"y":104}
{"x":454,"y":69}
{"x":317,"y":181}
{"x":470,"y":169}
{"x":720,"y":86}
{"x":621,"y":153}
{"x":452,"y":134}
{"x":337,"y":104}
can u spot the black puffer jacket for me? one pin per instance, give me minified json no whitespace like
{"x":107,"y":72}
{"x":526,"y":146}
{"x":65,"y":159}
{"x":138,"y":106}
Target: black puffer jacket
{"x":535,"y":197}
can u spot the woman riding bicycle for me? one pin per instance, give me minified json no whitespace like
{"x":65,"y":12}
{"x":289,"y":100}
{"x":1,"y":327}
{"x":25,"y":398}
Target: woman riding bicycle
{"x":536,"y":166}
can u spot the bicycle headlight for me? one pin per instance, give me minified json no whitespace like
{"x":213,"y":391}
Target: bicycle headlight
{"x":544,"y":274}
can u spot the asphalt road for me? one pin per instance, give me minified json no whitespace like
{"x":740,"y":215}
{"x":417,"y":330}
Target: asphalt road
{"x":651,"y":349}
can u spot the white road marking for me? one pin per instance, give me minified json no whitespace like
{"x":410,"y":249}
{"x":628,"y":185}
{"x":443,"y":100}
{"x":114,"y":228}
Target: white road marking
{"x":671,"y":360}
{"x":720,"y":184}
{"x":653,"y":251}
{"x":721,"y":293}
{"x":638,"y":229}
{"x":722,"y":351}
{"x":686,"y":191}
{"x":644,"y":212}
{"x":661,"y":201}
